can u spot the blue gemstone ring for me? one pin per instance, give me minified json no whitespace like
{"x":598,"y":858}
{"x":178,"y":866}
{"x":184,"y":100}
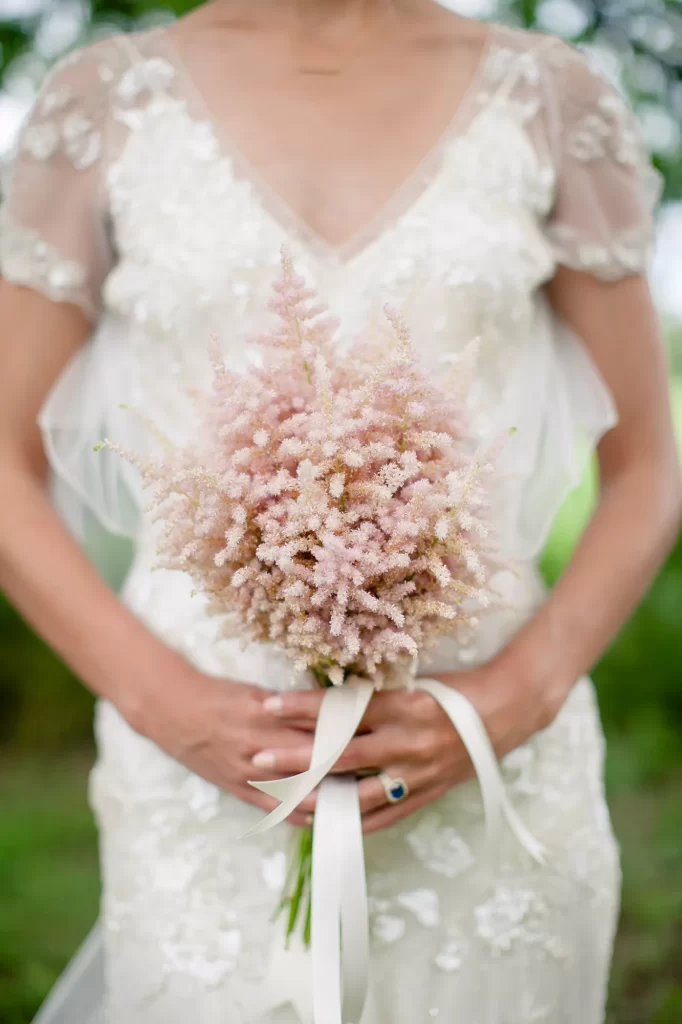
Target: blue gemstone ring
{"x":395,"y":789}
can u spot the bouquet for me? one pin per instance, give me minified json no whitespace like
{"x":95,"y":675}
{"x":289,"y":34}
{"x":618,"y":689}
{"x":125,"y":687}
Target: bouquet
{"x":334,"y":505}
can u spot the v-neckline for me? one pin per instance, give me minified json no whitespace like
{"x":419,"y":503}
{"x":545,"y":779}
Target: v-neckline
{"x":404,"y":198}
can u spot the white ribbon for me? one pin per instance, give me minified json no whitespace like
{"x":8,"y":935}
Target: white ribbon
{"x":474,"y":736}
{"x":341,"y":712}
{"x":340,"y":920}
{"x":340,"y":925}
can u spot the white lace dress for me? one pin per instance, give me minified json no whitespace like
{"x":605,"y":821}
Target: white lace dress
{"x":126,"y":198}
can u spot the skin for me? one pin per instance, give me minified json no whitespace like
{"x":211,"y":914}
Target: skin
{"x":308,"y":135}
{"x":229,"y":732}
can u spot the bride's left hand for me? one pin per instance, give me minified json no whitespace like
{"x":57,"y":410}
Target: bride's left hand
{"x":408,"y":735}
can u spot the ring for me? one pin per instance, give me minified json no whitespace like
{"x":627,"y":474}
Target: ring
{"x":395,"y":789}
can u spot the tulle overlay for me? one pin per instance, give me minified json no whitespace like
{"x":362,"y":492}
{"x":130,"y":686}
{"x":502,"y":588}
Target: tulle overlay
{"x":161,"y":234}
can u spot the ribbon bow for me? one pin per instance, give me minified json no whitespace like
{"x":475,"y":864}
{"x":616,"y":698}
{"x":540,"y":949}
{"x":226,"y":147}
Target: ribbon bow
{"x":340,"y":921}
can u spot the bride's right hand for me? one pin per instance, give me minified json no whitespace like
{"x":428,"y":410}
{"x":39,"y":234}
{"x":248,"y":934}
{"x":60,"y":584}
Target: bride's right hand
{"x":215,"y":727}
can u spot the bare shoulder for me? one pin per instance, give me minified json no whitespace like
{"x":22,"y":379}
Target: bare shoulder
{"x":443,"y":29}
{"x":462,"y":35}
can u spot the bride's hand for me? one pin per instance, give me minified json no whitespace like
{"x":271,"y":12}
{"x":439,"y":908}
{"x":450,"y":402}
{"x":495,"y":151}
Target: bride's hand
{"x":215,"y":727}
{"x":408,"y":735}
{"x":417,"y":742}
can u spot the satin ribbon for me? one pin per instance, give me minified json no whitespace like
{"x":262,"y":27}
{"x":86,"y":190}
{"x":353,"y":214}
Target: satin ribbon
{"x":341,"y":711}
{"x":340,"y":923}
{"x":340,"y":920}
{"x":474,"y":736}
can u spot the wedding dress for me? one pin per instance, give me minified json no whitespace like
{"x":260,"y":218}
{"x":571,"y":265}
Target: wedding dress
{"x":127,"y":198}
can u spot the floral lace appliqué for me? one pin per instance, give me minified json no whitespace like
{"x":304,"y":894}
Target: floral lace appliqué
{"x":440,"y":847}
{"x":626,"y":253}
{"x":515,"y":915}
{"x":154,"y":75}
{"x":41,"y":141}
{"x":66,"y":122}
{"x":610,"y":130}
{"x":27,"y":259}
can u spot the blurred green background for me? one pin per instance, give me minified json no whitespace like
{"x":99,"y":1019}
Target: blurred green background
{"x":48,"y":869}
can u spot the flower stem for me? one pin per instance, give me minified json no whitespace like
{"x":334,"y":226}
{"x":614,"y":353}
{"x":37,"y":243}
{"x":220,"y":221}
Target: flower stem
{"x":308,"y":919}
{"x":298,"y":887}
{"x":297,"y":895}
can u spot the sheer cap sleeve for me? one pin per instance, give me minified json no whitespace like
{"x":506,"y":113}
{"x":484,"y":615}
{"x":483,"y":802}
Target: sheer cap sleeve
{"x":607,"y":190}
{"x":53,"y":231}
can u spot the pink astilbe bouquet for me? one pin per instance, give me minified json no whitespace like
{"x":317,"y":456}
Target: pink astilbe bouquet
{"x":335,"y":505}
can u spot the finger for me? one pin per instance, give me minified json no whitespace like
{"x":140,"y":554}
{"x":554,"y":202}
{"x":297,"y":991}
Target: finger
{"x":372,"y":793}
{"x":419,"y":745}
{"x":300,"y":819}
{"x":273,"y":736}
{"x":304,"y":705}
{"x":388,"y":745}
{"x":279,"y":762}
{"x":390,"y":814}
{"x":306,"y":725}
{"x":362,"y":753}
{"x":300,"y":705}
{"x":399,"y":705}
{"x":371,"y":750}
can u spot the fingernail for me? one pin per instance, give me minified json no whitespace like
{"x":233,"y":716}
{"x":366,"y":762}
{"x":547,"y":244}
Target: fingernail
{"x":309,"y":818}
{"x":273,"y":704}
{"x":264,"y":759}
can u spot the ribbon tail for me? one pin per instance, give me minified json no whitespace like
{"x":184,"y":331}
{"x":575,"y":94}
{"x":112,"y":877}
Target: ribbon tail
{"x":472,"y":731}
{"x":525,"y":837}
{"x":466,"y":721}
{"x":354,"y":907}
{"x":325,"y":911}
{"x":340,"y":923}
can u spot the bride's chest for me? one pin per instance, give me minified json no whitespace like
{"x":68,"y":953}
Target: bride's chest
{"x":197,"y":238}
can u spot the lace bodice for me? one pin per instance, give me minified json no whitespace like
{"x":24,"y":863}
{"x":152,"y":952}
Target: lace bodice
{"x":127,"y":199}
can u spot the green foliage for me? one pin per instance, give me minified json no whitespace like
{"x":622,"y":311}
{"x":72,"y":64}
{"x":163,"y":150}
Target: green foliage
{"x":43,"y":707}
{"x":646,"y":983}
{"x":48,"y":877}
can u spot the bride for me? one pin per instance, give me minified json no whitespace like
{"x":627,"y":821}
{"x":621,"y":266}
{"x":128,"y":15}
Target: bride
{"x":491,"y":184}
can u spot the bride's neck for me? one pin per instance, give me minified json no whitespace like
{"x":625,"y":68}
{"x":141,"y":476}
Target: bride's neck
{"x":310,"y":12}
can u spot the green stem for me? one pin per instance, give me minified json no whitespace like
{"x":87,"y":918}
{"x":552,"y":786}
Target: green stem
{"x":307,"y":927}
{"x":292,"y":871}
{"x":303,"y":865}
{"x":296,"y":898}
